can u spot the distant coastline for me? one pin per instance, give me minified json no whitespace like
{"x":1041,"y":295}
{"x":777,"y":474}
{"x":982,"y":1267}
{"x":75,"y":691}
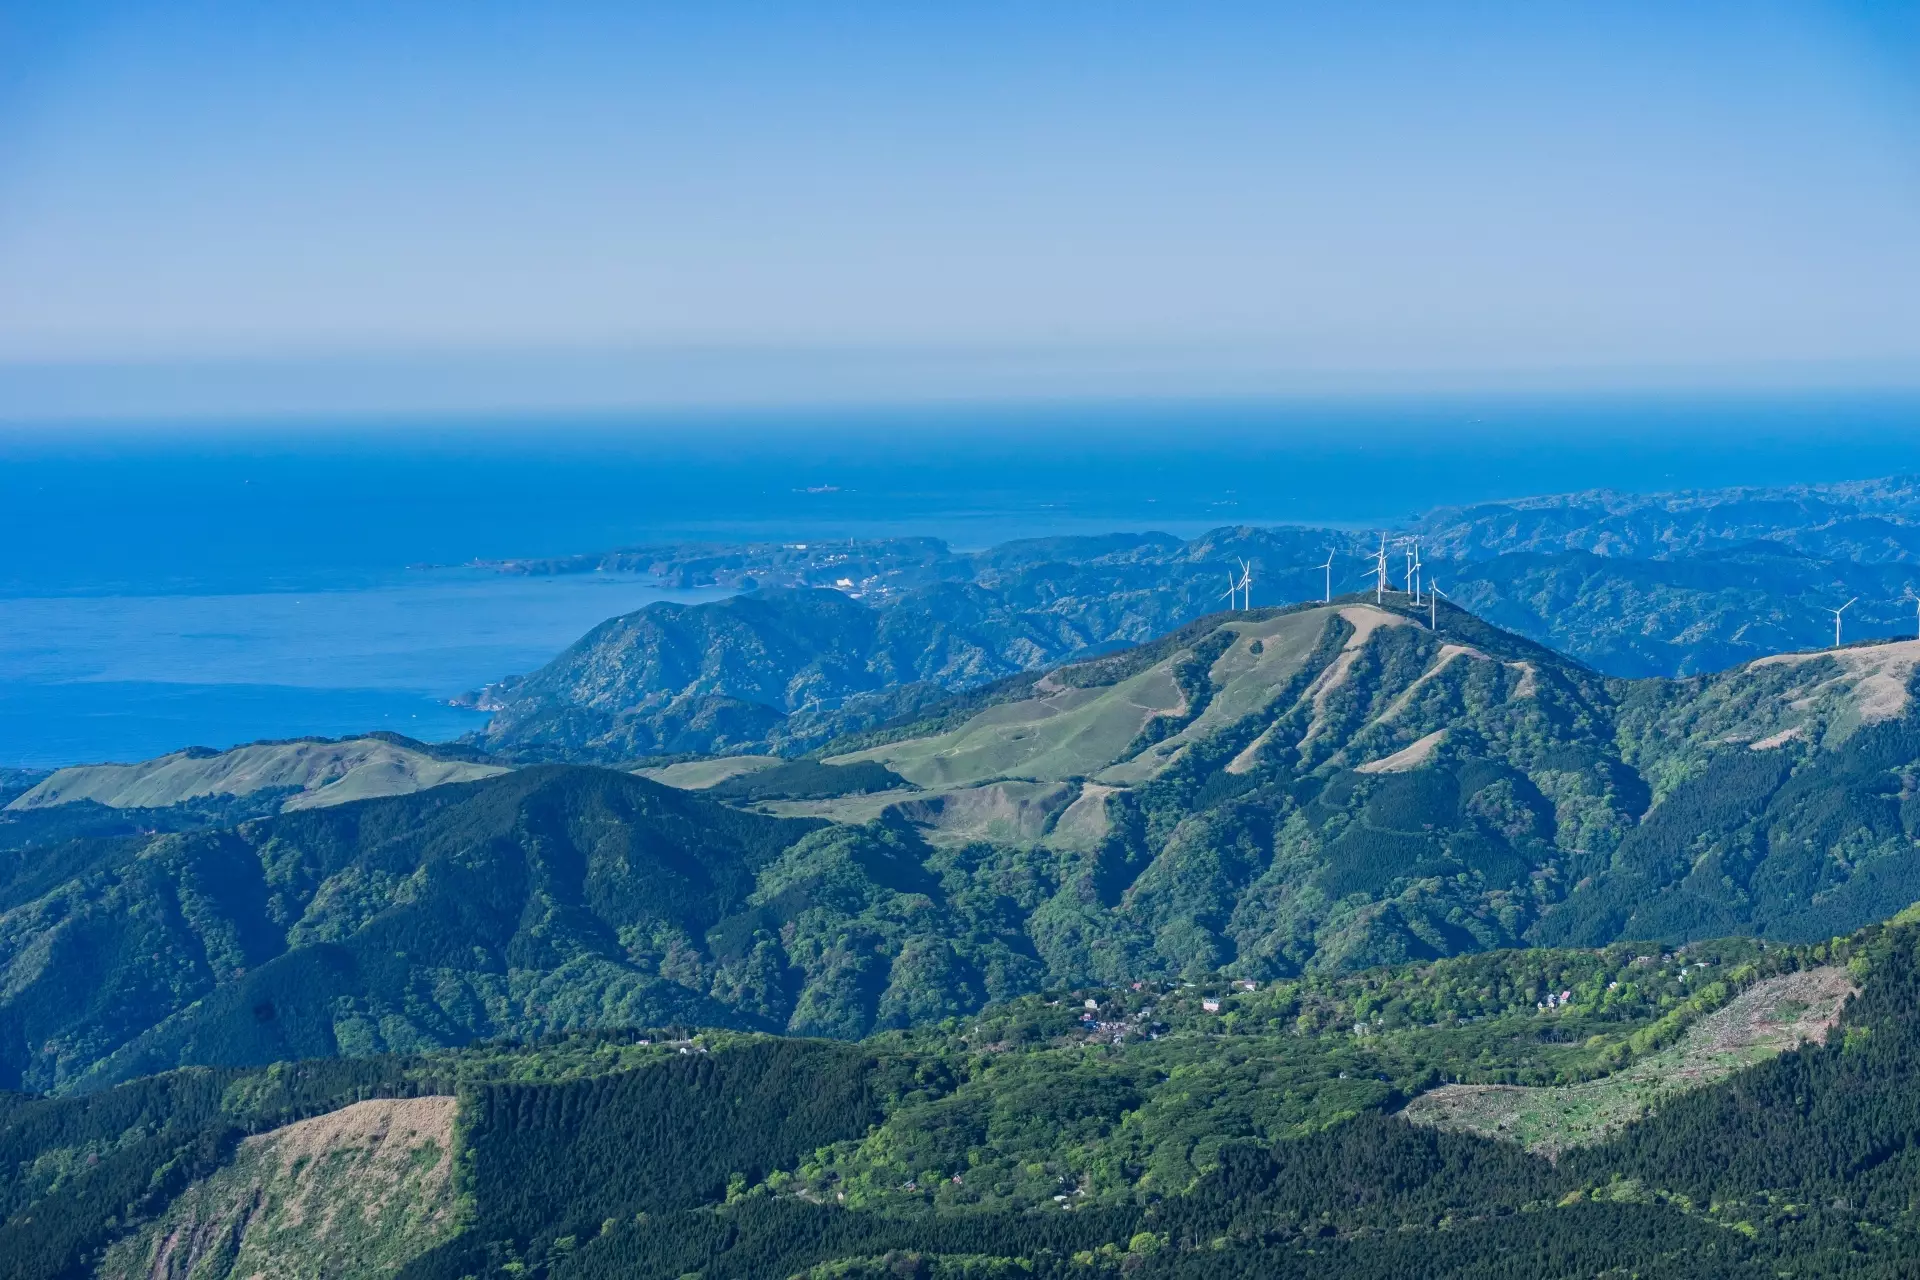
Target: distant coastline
{"x":201,"y":570}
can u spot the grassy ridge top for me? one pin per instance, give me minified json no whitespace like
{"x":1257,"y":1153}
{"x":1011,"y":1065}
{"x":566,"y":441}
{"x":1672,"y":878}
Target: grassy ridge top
{"x":309,"y":773}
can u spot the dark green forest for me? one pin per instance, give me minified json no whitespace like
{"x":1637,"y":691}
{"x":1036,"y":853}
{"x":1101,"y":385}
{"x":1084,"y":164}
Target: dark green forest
{"x":732,"y":1154}
{"x":1803,"y":1166}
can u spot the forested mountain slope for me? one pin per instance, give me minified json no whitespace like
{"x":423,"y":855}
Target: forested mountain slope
{"x":1260,"y":794}
{"x":542,"y":898}
{"x":1344,"y":785}
{"x":1145,"y":1131}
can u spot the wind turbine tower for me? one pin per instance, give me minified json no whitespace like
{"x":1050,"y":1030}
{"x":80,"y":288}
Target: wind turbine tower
{"x":1433,"y":604}
{"x":1327,"y":596}
{"x":1380,"y":571}
{"x":1916,"y":611}
{"x":1246,"y":584}
{"x":1836,"y":620}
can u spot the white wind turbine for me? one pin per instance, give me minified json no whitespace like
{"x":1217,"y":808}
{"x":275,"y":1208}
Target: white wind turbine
{"x":1232,"y":592}
{"x":1380,"y":571}
{"x":1433,"y":603}
{"x":1836,"y":620}
{"x":1327,"y":597}
{"x":1916,"y":610}
{"x":1246,"y":584}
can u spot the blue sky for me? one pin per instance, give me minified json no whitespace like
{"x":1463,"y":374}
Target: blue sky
{"x":235,"y":207}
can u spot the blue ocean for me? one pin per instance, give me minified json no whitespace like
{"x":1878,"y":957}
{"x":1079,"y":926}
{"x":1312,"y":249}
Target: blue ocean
{"x":170,"y":584}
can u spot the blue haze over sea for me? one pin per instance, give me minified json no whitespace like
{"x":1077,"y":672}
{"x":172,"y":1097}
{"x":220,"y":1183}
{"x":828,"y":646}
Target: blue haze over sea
{"x":167,"y":585}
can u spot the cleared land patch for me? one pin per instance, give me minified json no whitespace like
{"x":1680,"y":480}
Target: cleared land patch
{"x":698,"y":775}
{"x":354,"y":1193}
{"x":1007,"y":812}
{"x":851,"y":810}
{"x":1365,"y":622}
{"x":1874,"y":681}
{"x":1408,"y":757}
{"x":1770,"y":1017}
{"x":1086,"y":821}
{"x":1015,"y":812}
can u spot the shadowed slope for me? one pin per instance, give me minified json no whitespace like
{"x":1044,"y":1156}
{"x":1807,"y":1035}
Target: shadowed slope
{"x":538,"y":899}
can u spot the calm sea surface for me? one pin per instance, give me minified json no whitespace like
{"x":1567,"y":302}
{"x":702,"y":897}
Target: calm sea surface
{"x":177,"y":584}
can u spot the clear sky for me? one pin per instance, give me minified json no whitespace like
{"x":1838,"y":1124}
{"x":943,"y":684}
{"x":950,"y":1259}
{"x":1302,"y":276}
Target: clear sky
{"x":475,"y":205}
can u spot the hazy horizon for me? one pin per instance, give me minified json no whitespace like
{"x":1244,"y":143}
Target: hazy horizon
{"x":451,"y":208}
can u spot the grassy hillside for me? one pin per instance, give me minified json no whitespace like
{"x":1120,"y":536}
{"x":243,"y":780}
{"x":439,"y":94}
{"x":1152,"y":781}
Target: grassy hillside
{"x":305,"y":773}
{"x":698,"y":775}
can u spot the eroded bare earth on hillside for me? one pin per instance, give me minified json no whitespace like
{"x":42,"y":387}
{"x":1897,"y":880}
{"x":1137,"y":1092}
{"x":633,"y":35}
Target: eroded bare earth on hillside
{"x":1770,"y":1017}
{"x":353,"y":1193}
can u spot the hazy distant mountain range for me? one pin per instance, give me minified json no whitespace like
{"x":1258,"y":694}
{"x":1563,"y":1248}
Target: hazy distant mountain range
{"x":833,"y":637}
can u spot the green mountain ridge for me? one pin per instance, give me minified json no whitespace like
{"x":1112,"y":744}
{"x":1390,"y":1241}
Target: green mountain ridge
{"x":1298,"y":785}
{"x":836,"y":637}
{"x":1261,"y":794}
{"x":537,"y":898}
